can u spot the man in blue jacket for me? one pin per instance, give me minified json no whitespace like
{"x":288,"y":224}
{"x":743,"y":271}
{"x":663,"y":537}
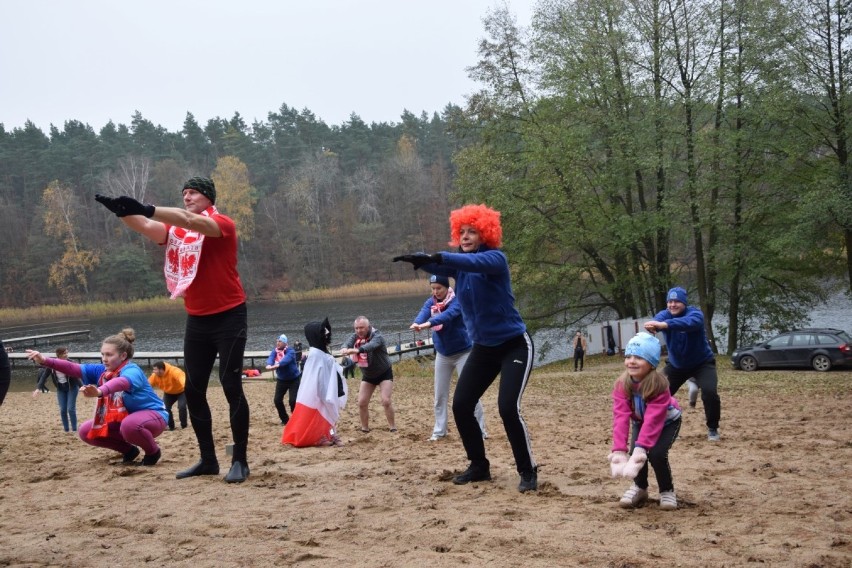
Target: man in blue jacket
{"x":689,"y":354}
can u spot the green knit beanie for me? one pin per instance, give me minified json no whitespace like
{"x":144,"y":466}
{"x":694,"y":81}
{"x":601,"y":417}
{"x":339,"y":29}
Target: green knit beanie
{"x":202,"y":185}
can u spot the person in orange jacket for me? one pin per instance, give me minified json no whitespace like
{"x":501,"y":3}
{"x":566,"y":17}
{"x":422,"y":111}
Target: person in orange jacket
{"x":171,"y":380}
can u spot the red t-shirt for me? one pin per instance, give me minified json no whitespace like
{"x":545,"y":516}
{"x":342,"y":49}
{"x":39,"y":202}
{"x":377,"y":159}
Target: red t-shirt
{"x":216,"y":287}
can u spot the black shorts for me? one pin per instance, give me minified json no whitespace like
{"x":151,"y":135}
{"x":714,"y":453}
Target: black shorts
{"x":386,"y":376}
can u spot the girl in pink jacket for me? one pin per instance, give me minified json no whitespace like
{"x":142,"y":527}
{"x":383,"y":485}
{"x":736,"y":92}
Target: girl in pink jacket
{"x":641,"y":397}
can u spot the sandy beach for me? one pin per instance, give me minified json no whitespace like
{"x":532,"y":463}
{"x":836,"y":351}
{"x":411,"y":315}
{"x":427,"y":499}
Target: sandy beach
{"x":776,"y":491}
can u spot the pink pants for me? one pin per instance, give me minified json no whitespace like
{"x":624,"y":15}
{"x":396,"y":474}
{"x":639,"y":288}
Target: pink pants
{"x":137,"y":429}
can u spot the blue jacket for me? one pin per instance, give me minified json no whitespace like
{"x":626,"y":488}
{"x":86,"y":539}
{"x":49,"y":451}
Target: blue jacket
{"x":484,"y":290}
{"x":288,"y":367}
{"x":686,"y":340}
{"x":141,"y":395}
{"x":452,"y":338}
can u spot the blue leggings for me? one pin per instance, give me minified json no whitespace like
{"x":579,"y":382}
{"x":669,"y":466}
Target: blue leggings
{"x":67,"y":401}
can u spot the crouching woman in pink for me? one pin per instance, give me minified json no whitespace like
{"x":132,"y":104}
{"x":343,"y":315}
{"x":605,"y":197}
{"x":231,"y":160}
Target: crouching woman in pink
{"x":641,"y":398}
{"x":129,"y":413}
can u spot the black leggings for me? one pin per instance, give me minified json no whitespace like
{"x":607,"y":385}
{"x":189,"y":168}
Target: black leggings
{"x":5,"y":381}
{"x":281,"y":388}
{"x":513,"y":361}
{"x":658,"y":457}
{"x":206,"y":336}
{"x":707,"y":380}
{"x":5,"y":373}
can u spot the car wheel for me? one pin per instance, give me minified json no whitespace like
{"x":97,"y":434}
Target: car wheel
{"x":821,"y":363}
{"x":748,"y":363}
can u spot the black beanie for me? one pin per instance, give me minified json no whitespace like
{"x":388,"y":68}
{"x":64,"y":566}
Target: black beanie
{"x":202,"y":185}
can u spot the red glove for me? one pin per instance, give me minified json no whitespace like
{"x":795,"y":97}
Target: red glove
{"x":637,"y":460}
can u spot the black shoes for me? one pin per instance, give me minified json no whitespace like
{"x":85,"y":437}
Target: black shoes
{"x":130,"y":455}
{"x":473,"y":473}
{"x":201,"y":468}
{"x":152,"y":459}
{"x":529,"y":481}
{"x":238,"y":473}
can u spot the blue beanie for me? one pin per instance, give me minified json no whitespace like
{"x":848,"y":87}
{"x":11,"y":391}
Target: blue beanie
{"x":438,"y":279}
{"x":282,"y":338}
{"x":678,"y":294}
{"x":646,"y":346}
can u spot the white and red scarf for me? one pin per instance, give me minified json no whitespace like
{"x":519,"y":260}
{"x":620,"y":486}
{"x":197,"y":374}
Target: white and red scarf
{"x":183,"y":254}
{"x":438,"y":307}
{"x":361,"y":358}
{"x":109,"y":408}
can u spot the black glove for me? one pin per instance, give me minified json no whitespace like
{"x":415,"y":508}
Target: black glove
{"x":420,"y":259}
{"x":124,"y":205}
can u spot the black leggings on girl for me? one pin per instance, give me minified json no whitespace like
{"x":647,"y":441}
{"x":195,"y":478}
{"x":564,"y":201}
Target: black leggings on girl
{"x":206,"y":336}
{"x":513,"y":361}
{"x":658,"y":457}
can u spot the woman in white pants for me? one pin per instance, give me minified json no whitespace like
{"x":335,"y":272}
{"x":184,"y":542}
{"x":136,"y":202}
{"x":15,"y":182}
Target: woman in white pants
{"x":452,"y":347}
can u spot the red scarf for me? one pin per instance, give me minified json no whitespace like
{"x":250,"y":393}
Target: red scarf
{"x":183,"y":255}
{"x":438,"y":307}
{"x":109,"y":408}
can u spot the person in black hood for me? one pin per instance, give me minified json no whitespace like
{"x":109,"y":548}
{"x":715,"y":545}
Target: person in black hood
{"x":321,"y":396}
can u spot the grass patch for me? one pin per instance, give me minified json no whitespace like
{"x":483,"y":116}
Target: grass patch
{"x":361,"y":290}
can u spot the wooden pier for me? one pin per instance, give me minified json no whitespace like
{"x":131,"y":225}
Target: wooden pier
{"x":47,"y":337}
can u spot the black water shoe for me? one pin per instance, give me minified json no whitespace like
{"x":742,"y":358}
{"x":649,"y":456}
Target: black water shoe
{"x":201,"y":468}
{"x":238,"y":473}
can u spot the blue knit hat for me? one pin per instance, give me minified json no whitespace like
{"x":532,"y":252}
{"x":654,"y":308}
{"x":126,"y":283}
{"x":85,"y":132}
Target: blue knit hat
{"x":282,"y":338}
{"x":677,"y":293}
{"x":646,"y":346}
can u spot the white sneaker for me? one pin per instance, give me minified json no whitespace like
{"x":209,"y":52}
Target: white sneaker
{"x":435,"y":438}
{"x":668,"y":501}
{"x":633,"y":497}
{"x":713,"y":435}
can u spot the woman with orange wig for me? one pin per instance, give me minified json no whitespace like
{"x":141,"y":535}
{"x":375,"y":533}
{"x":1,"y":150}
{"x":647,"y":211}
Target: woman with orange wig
{"x":501,"y":345}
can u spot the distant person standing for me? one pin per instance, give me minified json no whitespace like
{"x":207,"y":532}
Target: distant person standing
{"x":689,"y":354}
{"x":201,"y":266}
{"x":67,"y":389}
{"x":443,"y":315}
{"x":172,"y":381}
{"x":579,"y":346}
{"x":5,"y":372}
{"x":283,"y":360}
{"x":368,"y":349}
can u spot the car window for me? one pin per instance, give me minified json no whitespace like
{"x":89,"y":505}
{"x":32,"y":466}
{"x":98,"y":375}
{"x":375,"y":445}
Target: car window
{"x":802,"y":339}
{"x":780,"y":341}
{"x":844,"y":337}
{"x":827,"y":340}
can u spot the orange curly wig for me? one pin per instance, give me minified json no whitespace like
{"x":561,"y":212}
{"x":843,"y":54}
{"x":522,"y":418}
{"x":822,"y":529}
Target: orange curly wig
{"x":482,"y":218}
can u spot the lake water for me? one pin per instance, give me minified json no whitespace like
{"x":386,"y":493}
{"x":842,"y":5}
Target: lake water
{"x":391,"y":316}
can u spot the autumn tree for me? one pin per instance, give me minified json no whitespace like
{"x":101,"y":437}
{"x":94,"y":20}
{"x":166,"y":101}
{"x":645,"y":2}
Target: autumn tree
{"x":234,"y":194}
{"x":61,"y":217}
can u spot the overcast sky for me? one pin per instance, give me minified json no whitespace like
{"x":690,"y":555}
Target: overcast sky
{"x":101,"y":60}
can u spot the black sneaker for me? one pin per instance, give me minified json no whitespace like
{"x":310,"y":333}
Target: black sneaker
{"x":473,"y":474}
{"x":529,"y":481}
{"x":130,"y":455}
{"x":152,"y":459}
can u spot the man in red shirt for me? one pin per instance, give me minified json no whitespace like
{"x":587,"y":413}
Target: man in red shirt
{"x":201,"y":266}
